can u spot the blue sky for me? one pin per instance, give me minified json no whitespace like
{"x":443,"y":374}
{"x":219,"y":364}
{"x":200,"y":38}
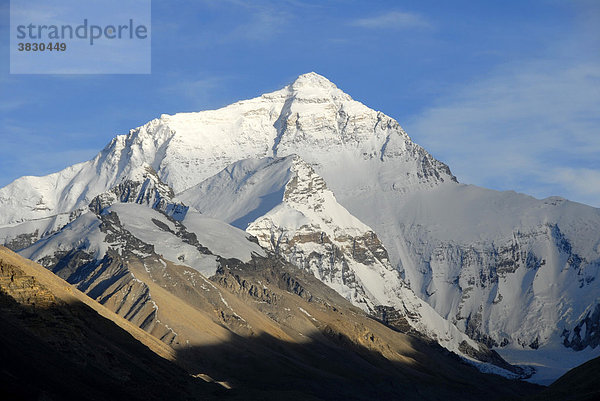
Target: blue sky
{"x":506,"y":92}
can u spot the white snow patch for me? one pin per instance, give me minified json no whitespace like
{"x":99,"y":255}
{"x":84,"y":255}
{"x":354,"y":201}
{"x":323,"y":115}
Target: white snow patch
{"x":306,"y":313}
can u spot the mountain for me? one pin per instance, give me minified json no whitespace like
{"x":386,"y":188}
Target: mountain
{"x":184,"y":149}
{"x":95,"y":252}
{"x":287,"y":206}
{"x":525,"y":275}
{"x":509,"y":270}
{"x":235,"y":313}
{"x":59,"y":344}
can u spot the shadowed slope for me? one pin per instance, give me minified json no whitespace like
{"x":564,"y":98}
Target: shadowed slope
{"x":58,"y":344}
{"x":332,"y":351}
{"x":578,"y":384}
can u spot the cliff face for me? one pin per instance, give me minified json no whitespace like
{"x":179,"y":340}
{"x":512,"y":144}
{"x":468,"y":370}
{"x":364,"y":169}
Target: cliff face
{"x":528,"y":287}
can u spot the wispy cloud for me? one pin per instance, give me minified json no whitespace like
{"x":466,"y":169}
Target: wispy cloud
{"x":583,"y":181}
{"x":255,"y":20}
{"x":13,"y":97}
{"x":263,"y":24}
{"x":393,"y":20}
{"x":531,"y":126}
{"x":12,"y":104}
{"x":40,"y":12}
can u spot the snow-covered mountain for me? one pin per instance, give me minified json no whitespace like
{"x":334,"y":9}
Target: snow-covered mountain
{"x":310,"y":117}
{"x":287,"y":206}
{"x":139,"y":222}
{"x":106,"y":250}
{"x":506,"y":268}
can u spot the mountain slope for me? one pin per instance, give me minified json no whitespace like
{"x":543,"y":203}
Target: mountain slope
{"x":59,"y":344}
{"x":300,"y":219}
{"x":541,"y":256}
{"x":184,"y":149}
{"x":578,"y":384}
{"x":264,"y":327}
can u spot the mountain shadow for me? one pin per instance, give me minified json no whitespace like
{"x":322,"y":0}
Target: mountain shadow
{"x":578,"y":384}
{"x":54,"y":350}
{"x":266,"y":368}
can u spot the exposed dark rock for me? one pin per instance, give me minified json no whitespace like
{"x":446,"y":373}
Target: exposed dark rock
{"x":22,"y":241}
{"x":392,"y":318}
{"x":585,"y":333}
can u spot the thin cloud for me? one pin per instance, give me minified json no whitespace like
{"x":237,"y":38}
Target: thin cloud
{"x":393,"y":20}
{"x":583,"y":181}
{"x":531,"y":126}
{"x":264,"y":25}
{"x":260,"y":21}
{"x":12,"y":104}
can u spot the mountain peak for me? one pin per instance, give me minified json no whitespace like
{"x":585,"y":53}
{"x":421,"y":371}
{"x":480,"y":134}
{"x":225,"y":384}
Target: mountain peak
{"x":313,"y":80}
{"x":315,"y":88}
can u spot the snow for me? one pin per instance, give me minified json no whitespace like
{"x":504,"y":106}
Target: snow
{"x":221,"y":238}
{"x":306,"y":313}
{"x":137,"y":219}
{"x":42,"y":226}
{"x":187,"y":148}
{"x":82,"y":234}
{"x":304,"y":206}
{"x":253,"y":188}
{"x":223,"y":300}
{"x":242,"y":192}
{"x":447,"y":240}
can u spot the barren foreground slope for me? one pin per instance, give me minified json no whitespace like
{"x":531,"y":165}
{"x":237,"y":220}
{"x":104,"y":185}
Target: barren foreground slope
{"x":57,"y":343}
